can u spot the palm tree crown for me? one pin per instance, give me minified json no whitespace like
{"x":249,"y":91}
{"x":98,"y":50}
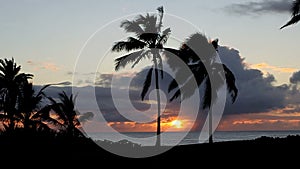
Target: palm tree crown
{"x":200,"y":56}
{"x":11,"y":83}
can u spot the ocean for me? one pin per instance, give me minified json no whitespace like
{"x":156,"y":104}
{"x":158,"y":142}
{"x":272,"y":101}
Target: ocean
{"x":181,"y":138}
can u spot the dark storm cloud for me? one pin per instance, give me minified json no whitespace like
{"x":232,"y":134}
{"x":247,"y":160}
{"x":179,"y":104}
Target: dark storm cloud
{"x":261,"y":7}
{"x":256,"y":91}
{"x":295,"y":78}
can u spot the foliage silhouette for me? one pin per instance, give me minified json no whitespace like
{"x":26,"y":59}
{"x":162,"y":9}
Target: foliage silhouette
{"x":30,"y":120}
{"x":295,"y":14}
{"x":200,"y":56}
{"x":30,"y":111}
{"x":148,"y":43}
{"x":11,"y":83}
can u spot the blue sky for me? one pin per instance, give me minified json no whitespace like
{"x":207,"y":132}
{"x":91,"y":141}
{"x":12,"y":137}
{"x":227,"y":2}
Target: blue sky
{"x":46,"y":36}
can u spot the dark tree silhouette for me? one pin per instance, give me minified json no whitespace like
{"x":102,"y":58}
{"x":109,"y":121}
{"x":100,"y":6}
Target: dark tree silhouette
{"x":30,"y":110}
{"x":200,"y":56}
{"x":11,"y":82}
{"x":67,"y":119}
{"x":295,"y":10}
{"x":148,"y":43}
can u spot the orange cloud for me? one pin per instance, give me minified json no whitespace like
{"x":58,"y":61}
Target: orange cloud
{"x":238,"y":122}
{"x":167,"y":124}
{"x":36,"y":66}
{"x":267,"y":67}
{"x":280,"y":119}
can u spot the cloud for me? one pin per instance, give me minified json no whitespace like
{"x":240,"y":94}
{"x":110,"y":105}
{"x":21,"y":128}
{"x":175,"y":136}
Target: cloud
{"x":268,"y":67}
{"x":37,"y":66}
{"x":261,"y":7}
{"x":261,"y":121}
{"x":256,"y":91}
{"x":257,"y":95}
{"x":71,"y":73}
{"x":86,"y":117}
{"x":295,"y":77}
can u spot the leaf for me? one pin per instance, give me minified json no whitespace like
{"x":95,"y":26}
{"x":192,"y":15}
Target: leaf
{"x":147,"y":83}
{"x":173,"y":85}
{"x":132,"y":26}
{"x":165,"y":36}
{"x":295,"y":7}
{"x":294,"y":20}
{"x":122,"y":61}
{"x":207,"y":96}
{"x":129,"y":45}
{"x":230,"y":81}
{"x":142,"y":55}
{"x":176,"y":95}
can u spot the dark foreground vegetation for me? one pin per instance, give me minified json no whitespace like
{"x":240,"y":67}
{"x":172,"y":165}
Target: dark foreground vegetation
{"x":45,"y":147}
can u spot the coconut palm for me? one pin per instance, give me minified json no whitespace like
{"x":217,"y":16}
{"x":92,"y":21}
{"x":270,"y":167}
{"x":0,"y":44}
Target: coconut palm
{"x":67,"y":118}
{"x":200,"y":56}
{"x":30,"y":111}
{"x":295,"y":10}
{"x":11,"y":82}
{"x":148,"y":43}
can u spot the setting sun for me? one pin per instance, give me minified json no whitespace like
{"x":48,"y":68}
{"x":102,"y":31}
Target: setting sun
{"x":176,"y":123}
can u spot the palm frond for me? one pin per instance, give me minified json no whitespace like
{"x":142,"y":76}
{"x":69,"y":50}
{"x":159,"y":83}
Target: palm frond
{"x":173,"y":85}
{"x":132,"y":26}
{"x":207,"y":96}
{"x":150,"y":38}
{"x":143,"y":54}
{"x":230,"y":81}
{"x":197,"y":47}
{"x":295,"y":7}
{"x":165,"y":36}
{"x":121,"y":62}
{"x":41,"y":91}
{"x":129,"y":45}
{"x":147,"y":83}
{"x":295,"y":19}
{"x":22,"y":77}
{"x":176,"y":95}
{"x":147,"y":22}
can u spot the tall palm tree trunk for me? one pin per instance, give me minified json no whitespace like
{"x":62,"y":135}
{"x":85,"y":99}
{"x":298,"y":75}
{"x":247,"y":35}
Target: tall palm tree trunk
{"x":158,"y":140}
{"x":210,"y":140}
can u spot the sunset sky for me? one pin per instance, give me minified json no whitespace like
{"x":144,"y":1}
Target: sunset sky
{"x":70,"y":40}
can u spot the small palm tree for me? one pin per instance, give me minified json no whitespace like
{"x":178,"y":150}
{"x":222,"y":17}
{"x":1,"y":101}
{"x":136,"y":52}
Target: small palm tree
{"x":29,"y":108}
{"x":65,"y":110}
{"x":11,"y":82}
{"x":67,"y":117}
{"x":295,"y":10}
{"x":199,"y":55}
{"x":148,"y":43}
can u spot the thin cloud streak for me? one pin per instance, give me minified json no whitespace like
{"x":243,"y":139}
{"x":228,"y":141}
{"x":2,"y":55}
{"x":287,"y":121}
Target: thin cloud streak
{"x":268,"y":67}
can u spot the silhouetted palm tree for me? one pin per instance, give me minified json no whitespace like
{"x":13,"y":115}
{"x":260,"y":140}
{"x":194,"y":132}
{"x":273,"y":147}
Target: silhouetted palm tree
{"x":148,"y":43}
{"x":200,"y":56}
{"x":30,"y":111}
{"x":11,"y":82}
{"x":67,"y":116}
{"x":295,"y":10}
